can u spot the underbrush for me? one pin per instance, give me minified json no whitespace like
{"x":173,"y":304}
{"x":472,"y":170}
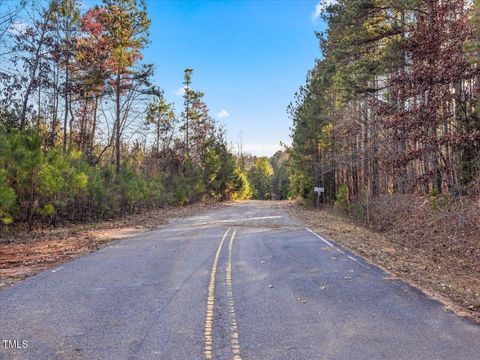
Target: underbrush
{"x":444,"y":228}
{"x":45,"y":185}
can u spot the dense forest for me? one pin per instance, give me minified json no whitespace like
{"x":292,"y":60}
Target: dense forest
{"x":84,"y":134}
{"x":392,"y":106}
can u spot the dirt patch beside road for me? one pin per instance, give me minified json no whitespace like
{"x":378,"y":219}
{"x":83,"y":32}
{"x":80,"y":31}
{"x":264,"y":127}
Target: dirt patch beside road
{"x":446,"y":275}
{"x":24,"y":254}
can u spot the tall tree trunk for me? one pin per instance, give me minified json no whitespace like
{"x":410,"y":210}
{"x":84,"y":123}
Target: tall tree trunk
{"x":401,"y":176}
{"x":437,"y":174}
{"x":354,"y":166}
{"x":118,"y":125}
{"x":39,"y":103}
{"x":374,"y":165}
{"x":36,"y":63}
{"x":65,"y":115}
{"x":94,"y":128}
{"x":365,"y":147}
{"x":334,"y":150}
{"x":70,"y":126}
{"x":158,"y":137}
{"x":53,"y":134}
{"x":426,"y":172}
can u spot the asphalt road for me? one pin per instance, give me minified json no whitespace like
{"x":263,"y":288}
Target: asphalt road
{"x":241,"y":282}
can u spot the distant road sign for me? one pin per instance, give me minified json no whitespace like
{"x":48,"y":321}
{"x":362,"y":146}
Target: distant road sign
{"x":319,"y":189}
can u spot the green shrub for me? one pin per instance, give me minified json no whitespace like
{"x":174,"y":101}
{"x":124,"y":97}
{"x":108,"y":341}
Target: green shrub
{"x":42,"y":183}
{"x":437,"y":201}
{"x":342,"y":197}
{"x":7,"y":200}
{"x":242,"y":188}
{"x":261,"y":176}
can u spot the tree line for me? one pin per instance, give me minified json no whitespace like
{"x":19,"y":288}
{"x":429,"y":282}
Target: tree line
{"x":392,"y":106}
{"x":84,"y":134}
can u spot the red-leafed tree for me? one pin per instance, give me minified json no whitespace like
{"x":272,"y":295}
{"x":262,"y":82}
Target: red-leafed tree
{"x":123,"y":26}
{"x":92,"y":55}
{"x":433,"y":96}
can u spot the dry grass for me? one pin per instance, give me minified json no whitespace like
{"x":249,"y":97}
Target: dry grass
{"x":23,"y":254}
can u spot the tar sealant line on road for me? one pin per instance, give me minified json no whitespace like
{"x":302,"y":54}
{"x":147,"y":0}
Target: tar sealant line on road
{"x":339,"y":250}
{"x":237,"y":220}
{"x":208,"y":331}
{"x":235,"y":344}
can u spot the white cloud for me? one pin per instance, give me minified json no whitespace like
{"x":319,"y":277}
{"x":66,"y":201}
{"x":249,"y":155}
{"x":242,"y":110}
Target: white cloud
{"x":318,"y":11}
{"x":18,"y":28}
{"x":181,"y":91}
{"x":320,"y":8}
{"x":223,"y":114}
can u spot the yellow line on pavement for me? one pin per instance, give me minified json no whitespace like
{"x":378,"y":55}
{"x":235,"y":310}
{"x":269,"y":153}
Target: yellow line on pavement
{"x":231,"y":306}
{"x":208,"y":332}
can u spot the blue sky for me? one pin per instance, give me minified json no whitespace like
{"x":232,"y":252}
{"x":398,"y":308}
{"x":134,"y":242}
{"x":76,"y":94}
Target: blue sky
{"x":249,"y":57}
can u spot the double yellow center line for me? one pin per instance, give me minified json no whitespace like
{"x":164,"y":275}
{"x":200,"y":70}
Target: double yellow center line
{"x":208,"y":332}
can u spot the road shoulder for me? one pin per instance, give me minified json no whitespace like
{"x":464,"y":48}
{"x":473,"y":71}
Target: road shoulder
{"x":447,"y":282}
{"x":24,"y":254}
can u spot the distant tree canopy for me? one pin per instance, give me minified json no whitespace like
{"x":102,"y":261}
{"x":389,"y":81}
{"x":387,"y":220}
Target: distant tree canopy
{"x":393,"y":105}
{"x":280,"y":180}
{"x":261,"y":176}
{"x":84,"y":134}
